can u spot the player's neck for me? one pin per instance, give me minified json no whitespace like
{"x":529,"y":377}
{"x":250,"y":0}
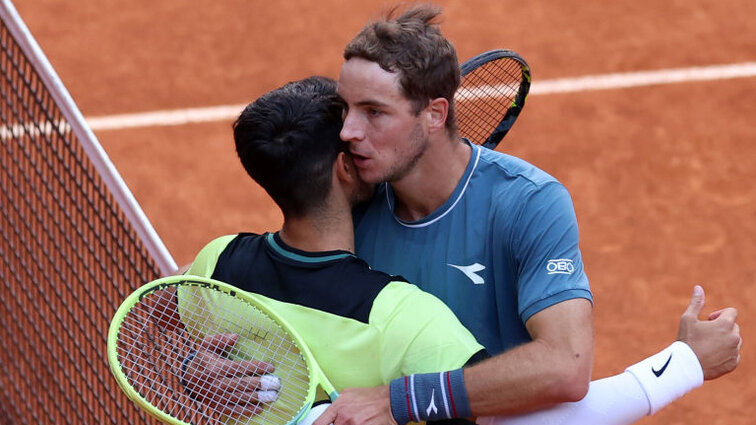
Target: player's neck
{"x":322,"y":231}
{"x":432,"y":181}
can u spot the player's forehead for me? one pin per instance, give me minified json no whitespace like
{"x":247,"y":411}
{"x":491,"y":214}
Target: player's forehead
{"x":364,"y":81}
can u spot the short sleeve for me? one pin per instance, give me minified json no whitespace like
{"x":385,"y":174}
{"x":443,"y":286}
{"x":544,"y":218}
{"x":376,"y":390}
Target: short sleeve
{"x":419,"y":332}
{"x":205,"y":261}
{"x":545,"y":246}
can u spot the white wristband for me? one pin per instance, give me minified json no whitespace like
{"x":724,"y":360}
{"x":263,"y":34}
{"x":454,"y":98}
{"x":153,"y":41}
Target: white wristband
{"x":668,"y":375}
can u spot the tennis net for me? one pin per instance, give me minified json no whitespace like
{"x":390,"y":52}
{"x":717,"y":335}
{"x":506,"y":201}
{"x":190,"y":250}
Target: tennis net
{"x":73,"y":244}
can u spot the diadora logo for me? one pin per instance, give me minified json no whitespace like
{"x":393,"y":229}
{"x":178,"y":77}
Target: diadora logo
{"x":560,"y":266}
{"x":432,"y":406}
{"x":471,"y":272}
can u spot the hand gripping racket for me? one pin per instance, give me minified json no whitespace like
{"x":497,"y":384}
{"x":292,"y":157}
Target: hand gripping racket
{"x":186,"y":349}
{"x":491,"y":95}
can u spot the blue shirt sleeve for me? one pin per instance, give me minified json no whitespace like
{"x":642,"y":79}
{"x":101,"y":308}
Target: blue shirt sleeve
{"x":545,"y":247}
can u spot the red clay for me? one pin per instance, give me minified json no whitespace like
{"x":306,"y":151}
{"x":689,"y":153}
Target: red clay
{"x":661,"y":176}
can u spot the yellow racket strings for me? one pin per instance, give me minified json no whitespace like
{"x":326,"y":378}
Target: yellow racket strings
{"x":168,"y":326}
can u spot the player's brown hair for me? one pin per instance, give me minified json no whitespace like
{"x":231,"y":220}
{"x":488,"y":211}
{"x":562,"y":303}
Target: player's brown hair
{"x":412,"y":45}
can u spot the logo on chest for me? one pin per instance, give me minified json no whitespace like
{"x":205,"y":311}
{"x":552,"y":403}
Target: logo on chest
{"x":471,"y":272}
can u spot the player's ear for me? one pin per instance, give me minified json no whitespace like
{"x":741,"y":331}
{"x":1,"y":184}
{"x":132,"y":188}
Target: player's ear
{"x":343,"y":167}
{"x":437,"y":111}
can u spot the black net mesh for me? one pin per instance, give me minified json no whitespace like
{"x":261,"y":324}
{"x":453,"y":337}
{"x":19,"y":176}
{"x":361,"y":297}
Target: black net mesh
{"x":68,"y":257}
{"x":486,"y":93}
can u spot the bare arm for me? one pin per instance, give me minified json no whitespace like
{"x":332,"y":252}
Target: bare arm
{"x":619,"y":400}
{"x":712,"y":344}
{"x":555,"y":367}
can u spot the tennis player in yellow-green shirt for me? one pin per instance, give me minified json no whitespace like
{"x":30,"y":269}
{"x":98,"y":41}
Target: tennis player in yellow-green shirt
{"x":364,"y":327}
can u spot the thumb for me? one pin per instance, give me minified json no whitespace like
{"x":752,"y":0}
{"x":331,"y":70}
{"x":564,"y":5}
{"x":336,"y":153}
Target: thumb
{"x":696,"y":302}
{"x":218,"y":343}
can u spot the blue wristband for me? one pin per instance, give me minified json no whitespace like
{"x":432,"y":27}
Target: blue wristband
{"x":429,"y":397}
{"x":184,"y":365}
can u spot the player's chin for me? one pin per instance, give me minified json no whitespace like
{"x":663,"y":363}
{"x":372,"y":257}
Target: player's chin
{"x":369,"y":175}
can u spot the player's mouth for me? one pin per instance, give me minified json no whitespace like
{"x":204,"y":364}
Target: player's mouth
{"x":360,"y":161}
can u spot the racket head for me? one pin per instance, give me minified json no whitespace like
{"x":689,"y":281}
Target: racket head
{"x":493,"y":90}
{"x":162,"y":322}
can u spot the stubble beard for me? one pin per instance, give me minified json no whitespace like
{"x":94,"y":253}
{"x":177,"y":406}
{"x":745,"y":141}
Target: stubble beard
{"x":408,"y":159}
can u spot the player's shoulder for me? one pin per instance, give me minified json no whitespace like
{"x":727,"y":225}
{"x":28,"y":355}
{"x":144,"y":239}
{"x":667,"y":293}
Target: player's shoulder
{"x":207,"y":257}
{"x":231,"y":245}
{"x":511,"y":168}
{"x":399,"y":294}
{"x":513,"y":180}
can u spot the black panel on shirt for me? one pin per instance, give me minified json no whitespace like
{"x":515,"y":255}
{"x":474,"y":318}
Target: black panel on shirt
{"x":346,"y":286}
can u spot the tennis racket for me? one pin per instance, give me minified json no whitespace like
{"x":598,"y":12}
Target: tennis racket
{"x":491,"y":95}
{"x":177,"y":344}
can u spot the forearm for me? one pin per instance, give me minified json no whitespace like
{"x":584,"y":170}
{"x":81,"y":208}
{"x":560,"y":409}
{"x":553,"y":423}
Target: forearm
{"x":532,"y":376}
{"x":616,"y":400}
{"x":643,"y":389}
{"x":555,"y":367}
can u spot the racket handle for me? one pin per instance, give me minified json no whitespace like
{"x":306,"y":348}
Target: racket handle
{"x":314,"y":414}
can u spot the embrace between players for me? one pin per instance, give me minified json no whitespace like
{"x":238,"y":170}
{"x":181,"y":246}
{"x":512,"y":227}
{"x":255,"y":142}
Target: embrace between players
{"x":371,"y":171}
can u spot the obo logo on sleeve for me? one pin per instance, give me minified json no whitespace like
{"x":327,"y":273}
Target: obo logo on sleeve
{"x":560,"y":266}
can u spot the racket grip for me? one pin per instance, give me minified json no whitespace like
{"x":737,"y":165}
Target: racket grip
{"x":314,"y":414}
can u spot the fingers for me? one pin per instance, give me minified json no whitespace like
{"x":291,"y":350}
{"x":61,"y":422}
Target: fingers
{"x":236,"y":404}
{"x":259,"y":385}
{"x":247,"y":397}
{"x":241,"y":367}
{"x":232,"y":387}
{"x":696,"y":302}
{"x":241,"y":410}
{"x":235,"y":396}
{"x":714,"y":314}
{"x":728,"y":314}
{"x":218,"y":343}
{"x":212,"y":370}
{"x":238,"y":384}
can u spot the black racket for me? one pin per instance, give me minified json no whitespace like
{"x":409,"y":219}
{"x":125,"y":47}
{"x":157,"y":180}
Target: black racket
{"x":491,"y":95}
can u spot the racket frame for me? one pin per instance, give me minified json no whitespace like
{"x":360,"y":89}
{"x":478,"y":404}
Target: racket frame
{"x":517,"y":103}
{"x":316,"y":375}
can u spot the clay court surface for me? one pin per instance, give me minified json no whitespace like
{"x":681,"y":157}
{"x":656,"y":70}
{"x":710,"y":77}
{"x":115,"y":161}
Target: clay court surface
{"x":662,"y":176}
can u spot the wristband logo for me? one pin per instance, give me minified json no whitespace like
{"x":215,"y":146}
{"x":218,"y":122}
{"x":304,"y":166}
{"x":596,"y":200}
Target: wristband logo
{"x":659,"y":372}
{"x":432,"y":406}
{"x":560,"y":266}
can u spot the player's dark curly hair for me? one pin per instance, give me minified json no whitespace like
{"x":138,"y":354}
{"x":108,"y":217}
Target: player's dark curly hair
{"x":412,"y":45}
{"x":288,"y":139}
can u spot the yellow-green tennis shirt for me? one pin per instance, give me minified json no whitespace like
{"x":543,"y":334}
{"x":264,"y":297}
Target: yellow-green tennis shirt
{"x":363,"y":327}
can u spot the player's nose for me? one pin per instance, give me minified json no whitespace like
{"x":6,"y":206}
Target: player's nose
{"x":352,"y":129}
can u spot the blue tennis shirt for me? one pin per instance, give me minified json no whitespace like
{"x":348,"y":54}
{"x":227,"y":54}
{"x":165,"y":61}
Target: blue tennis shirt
{"x":503,"y":247}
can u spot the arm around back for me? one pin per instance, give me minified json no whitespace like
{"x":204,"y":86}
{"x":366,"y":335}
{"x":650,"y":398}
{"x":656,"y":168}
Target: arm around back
{"x":554,"y":367}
